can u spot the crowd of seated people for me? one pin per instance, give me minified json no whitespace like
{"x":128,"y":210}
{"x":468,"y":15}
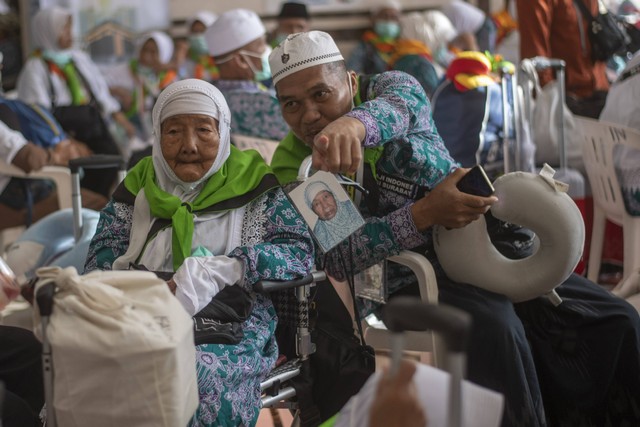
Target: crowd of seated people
{"x":228,"y":222}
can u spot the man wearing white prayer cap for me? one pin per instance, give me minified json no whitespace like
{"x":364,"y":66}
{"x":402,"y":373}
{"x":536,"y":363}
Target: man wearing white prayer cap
{"x":237,"y":42}
{"x":411,"y":180}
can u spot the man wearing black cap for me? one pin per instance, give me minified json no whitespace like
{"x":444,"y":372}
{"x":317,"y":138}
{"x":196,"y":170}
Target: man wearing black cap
{"x":293,"y":18}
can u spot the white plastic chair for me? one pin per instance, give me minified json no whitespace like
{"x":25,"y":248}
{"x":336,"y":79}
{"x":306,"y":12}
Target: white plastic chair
{"x":266,"y":147}
{"x":377,"y":336}
{"x":598,"y":142}
{"x":61,"y":176}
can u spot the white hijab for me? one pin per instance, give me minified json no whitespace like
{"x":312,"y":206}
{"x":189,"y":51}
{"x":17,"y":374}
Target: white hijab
{"x":163,"y":41}
{"x":46,"y":25}
{"x":190,"y":96}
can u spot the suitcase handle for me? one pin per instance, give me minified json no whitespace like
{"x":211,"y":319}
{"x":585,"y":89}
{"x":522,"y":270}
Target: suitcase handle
{"x":411,"y":314}
{"x":97,"y":161}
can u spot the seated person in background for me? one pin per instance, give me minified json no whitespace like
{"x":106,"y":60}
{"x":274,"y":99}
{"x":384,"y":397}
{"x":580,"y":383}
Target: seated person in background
{"x":469,"y":19}
{"x":213,"y":221}
{"x":30,"y":144}
{"x":552,"y":363}
{"x":383,"y":49}
{"x":193,"y":61}
{"x":137,"y":84}
{"x":556,"y":29}
{"x":436,"y":31}
{"x":237,"y":41}
{"x":56,"y":75}
{"x":293,"y":18}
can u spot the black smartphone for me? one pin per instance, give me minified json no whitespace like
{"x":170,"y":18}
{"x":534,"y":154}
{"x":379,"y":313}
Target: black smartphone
{"x":476,"y":182}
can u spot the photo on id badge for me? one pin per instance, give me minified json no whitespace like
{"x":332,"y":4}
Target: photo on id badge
{"x":327,"y":209}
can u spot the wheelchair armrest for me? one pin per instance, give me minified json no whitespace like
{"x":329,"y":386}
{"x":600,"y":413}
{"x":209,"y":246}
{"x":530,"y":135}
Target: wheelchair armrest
{"x":422,"y":268}
{"x":268,"y":286}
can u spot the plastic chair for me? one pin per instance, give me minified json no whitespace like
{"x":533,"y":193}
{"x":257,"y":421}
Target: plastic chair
{"x":377,"y":336}
{"x":61,"y":176}
{"x":266,"y":147}
{"x":598,"y":142}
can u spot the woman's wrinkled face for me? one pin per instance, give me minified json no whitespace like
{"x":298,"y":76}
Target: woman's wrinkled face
{"x":64,"y":39}
{"x":190,"y":144}
{"x":324,"y":205}
{"x":149,"y":54}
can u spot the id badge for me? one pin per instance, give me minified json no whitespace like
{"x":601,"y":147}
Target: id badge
{"x":369,"y":283}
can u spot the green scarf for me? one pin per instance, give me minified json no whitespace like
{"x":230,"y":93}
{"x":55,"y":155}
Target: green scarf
{"x":78,"y":95}
{"x":242,"y":172}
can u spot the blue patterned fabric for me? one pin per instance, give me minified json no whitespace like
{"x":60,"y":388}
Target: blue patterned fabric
{"x":255,"y":110}
{"x":276,"y":245}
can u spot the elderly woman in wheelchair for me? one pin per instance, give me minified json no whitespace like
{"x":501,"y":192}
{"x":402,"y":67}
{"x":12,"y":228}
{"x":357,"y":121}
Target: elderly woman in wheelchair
{"x":212,"y":221}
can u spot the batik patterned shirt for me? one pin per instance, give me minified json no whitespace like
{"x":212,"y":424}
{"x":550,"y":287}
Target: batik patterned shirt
{"x":255,"y":110}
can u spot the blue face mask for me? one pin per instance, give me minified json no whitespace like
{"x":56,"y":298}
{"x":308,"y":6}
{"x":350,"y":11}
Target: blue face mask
{"x":59,"y":57}
{"x":265,"y":73}
{"x":387,"y":29}
{"x":198,"y":44}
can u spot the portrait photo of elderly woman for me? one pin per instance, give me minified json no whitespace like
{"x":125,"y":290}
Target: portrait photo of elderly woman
{"x":212,"y":221}
{"x":331,"y":214}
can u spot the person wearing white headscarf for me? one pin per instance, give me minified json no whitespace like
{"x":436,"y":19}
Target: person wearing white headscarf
{"x":212,"y":220}
{"x":58,"y":75}
{"x":138,"y":83}
{"x":193,"y":56}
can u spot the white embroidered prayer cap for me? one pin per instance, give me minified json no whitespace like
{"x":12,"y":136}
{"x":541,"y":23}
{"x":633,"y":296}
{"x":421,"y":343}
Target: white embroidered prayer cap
{"x":232,"y":30}
{"x":300,"y":51}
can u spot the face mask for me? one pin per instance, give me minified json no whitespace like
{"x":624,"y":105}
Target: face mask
{"x":265,"y":73}
{"x":387,"y":29}
{"x":198,"y":44}
{"x":59,"y":57}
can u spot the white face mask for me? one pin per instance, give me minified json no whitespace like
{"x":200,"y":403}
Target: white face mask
{"x":265,"y":73}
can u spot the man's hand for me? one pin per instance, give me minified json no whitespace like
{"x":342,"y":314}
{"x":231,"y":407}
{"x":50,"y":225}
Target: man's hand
{"x":172,"y":286}
{"x":447,"y":206}
{"x":396,"y":403}
{"x":338,"y":147}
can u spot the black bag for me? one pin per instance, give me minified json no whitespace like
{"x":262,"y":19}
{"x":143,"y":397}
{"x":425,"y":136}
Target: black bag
{"x":606,"y":34}
{"x":82,"y":122}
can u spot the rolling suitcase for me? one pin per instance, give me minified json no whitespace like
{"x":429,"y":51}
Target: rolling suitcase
{"x":571,"y":176}
{"x":446,"y":398}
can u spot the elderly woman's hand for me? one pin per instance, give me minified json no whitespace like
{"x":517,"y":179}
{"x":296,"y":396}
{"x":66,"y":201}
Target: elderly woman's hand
{"x":338,"y":147}
{"x":447,"y":206}
{"x":172,"y":286}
